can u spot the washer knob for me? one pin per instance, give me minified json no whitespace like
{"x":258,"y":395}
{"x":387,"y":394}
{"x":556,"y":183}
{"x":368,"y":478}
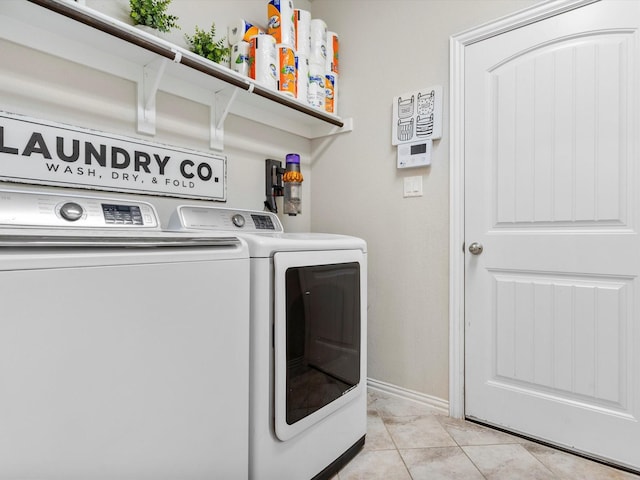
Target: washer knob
{"x":238,"y":220}
{"x":71,"y":211}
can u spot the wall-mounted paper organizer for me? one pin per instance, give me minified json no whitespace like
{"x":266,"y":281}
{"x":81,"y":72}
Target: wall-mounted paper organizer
{"x":417,"y":116}
{"x":417,"y":120}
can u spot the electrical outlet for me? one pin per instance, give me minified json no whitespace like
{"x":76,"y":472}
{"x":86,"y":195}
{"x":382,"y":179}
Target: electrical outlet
{"x":413,"y":186}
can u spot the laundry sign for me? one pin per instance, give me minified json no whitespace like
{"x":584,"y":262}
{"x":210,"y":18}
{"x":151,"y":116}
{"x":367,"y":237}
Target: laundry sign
{"x":43,"y":152}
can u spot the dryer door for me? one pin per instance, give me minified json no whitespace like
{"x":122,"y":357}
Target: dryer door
{"x":318,"y":337}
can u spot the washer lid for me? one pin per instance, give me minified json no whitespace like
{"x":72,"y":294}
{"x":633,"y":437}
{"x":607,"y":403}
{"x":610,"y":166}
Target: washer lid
{"x":266,"y":245}
{"x":262,"y":231}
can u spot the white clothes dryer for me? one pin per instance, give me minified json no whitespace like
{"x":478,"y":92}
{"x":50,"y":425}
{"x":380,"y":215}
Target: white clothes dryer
{"x":308,"y":328}
{"x":123,"y":348}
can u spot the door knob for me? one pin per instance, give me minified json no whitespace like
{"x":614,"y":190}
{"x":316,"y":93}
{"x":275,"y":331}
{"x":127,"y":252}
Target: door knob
{"x":475,"y":248}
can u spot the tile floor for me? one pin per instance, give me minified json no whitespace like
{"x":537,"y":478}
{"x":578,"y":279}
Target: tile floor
{"x":409,"y":441}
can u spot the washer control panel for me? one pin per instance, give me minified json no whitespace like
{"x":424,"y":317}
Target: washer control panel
{"x":262,"y":222}
{"x":22,"y":208}
{"x":189,"y":217}
{"x":122,"y":214}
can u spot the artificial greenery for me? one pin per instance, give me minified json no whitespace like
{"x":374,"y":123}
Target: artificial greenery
{"x":204,"y":44}
{"x":153,"y":13}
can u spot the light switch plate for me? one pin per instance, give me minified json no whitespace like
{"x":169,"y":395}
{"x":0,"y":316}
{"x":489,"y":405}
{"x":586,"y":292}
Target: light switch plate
{"x":413,"y":186}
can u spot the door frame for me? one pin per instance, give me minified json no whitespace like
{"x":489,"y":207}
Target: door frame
{"x":457,"y":45}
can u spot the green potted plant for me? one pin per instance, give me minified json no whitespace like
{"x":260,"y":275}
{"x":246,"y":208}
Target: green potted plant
{"x":153,"y":14}
{"x":204,"y":44}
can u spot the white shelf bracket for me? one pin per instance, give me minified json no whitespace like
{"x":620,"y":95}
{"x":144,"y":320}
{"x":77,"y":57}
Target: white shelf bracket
{"x":222,"y":102}
{"x":147,"y":90}
{"x":323,"y":131}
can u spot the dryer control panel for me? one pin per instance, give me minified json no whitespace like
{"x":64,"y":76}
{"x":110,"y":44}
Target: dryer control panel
{"x":192,"y":217}
{"x":35,"y":209}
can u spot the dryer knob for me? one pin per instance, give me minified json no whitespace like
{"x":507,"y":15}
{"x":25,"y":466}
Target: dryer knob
{"x":238,"y":220}
{"x":71,"y":211}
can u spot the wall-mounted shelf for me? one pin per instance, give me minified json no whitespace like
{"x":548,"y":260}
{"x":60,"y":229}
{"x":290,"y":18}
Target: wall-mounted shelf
{"x":67,"y":30}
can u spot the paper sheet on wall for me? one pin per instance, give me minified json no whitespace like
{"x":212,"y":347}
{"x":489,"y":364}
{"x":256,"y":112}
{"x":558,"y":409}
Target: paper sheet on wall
{"x":417,"y":116}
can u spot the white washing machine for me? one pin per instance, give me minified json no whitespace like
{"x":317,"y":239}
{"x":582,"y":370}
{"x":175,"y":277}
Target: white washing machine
{"x":123,"y":349}
{"x":308,"y":343}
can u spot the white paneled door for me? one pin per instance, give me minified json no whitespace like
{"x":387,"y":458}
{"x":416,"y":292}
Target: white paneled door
{"x":552,"y":195}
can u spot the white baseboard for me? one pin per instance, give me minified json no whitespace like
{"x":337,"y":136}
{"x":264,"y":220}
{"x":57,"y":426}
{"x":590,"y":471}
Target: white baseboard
{"x":436,"y":403}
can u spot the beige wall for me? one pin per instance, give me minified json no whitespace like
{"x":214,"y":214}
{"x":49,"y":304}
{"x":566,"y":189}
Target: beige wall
{"x":351,"y":183}
{"x":389,"y":48}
